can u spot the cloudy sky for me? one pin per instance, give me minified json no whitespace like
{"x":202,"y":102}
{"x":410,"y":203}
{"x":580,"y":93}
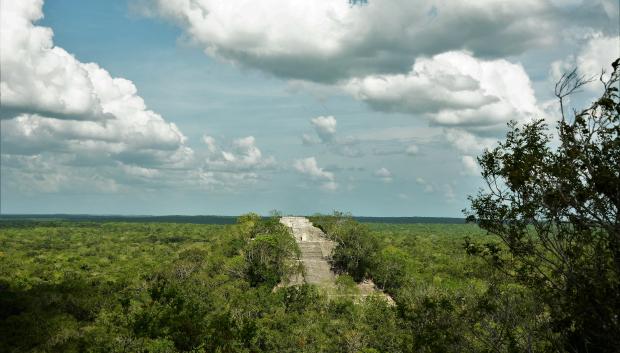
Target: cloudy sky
{"x":224,"y":107}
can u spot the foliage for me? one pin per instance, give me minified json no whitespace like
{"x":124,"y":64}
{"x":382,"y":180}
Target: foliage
{"x":557,"y":213}
{"x":390,"y":268}
{"x":129,"y":287}
{"x":272,"y":254}
{"x":355,"y":244}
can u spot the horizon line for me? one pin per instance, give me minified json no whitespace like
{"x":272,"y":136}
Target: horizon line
{"x":203,"y":215}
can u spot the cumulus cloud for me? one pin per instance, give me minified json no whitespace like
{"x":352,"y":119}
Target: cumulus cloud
{"x":237,"y":164}
{"x":428,"y":187}
{"x":38,"y":77}
{"x":244,"y":155}
{"x":598,"y":54}
{"x":325,"y":134}
{"x":68,"y":173}
{"x":152,"y":142}
{"x":456,"y":82}
{"x":384,"y":174}
{"x":325,"y":127}
{"x":466,"y":142}
{"x":453,"y":89}
{"x":470,"y":165}
{"x":209,"y":141}
{"x":310,"y":168}
{"x":595,"y":55}
{"x":326,"y":40}
{"x":59,"y":110}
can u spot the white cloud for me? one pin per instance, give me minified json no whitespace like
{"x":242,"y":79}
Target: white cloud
{"x":31,"y":174}
{"x":453,"y":89}
{"x":468,"y":143}
{"x":325,"y":127}
{"x":470,"y":166}
{"x":210,"y":142}
{"x":54,"y":173}
{"x":428,"y":187}
{"x":228,"y":169}
{"x":150,"y":142}
{"x":310,"y":167}
{"x":384,"y":174}
{"x":412,"y":150}
{"x":38,"y":77}
{"x":244,"y":155}
{"x":471,"y":99}
{"x":62,"y":112}
{"x":325,"y":40}
{"x":456,"y":81}
{"x":560,"y":67}
{"x":325,"y":130}
{"x":596,"y":54}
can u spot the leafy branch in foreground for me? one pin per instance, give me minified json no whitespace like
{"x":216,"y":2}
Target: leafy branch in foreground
{"x":556,"y":210}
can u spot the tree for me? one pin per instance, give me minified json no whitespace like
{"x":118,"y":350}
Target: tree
{"x":390,"y":268}
{"x":556,"y":211}
{"x":271,"y":256}
{"x":355,"y":247}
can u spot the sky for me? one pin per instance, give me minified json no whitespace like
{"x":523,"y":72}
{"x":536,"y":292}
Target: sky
{"x":154,"y":107}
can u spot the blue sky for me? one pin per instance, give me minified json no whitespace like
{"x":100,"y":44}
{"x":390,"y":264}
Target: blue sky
{"x":241,"y":106}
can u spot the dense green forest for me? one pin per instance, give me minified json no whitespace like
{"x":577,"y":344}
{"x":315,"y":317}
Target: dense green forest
{"x":141,"y":287}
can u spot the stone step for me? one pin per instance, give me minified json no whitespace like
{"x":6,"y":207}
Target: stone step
{"x":313,"y":246}
{"x":311,"y":252}
{"x":318,"y":272}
